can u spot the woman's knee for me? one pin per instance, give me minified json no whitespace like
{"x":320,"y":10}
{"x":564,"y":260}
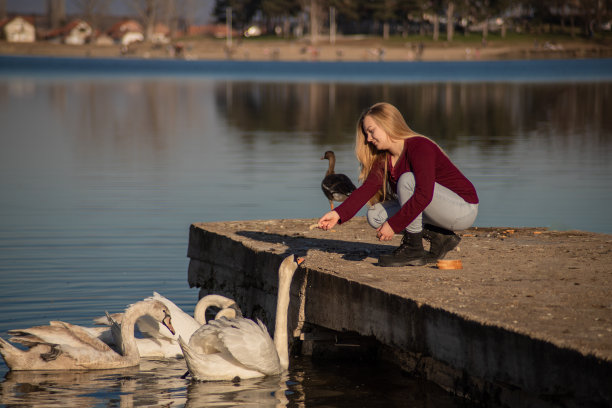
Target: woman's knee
{"x":407,"y":180}
{"x":376,"y":215}
{"x":379,"y":213}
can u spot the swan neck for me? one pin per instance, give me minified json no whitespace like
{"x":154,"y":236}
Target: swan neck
{"x":199,"y":313}
{"x":129,"y":346}
{"x":281,"y":339}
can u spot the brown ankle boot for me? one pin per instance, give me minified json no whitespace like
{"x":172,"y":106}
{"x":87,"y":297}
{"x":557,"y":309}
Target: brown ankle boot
{"x":409,"y":253}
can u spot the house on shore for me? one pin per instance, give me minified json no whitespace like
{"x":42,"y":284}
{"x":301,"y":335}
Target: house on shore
{"x":77,"y":32}
{"x":126,"y":32}
{"x":18,"y":29}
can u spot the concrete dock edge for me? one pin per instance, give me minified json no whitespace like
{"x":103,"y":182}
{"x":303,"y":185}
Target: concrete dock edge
{"x":485,"y":362}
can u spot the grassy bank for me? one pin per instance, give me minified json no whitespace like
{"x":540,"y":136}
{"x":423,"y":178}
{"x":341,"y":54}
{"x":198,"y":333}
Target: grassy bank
{"x":345,"y":48}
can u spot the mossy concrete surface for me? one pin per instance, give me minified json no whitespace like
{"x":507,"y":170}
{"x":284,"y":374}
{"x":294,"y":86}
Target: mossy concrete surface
{"x":526,"y":322}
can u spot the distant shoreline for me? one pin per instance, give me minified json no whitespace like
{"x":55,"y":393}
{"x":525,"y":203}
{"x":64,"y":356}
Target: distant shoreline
{"x":343,"y":50}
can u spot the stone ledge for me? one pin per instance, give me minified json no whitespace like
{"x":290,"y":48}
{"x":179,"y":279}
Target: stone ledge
{"x":483,"y":331}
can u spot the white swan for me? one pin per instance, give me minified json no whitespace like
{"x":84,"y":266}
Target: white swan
{"x":157,"y":341}
{"x":225,"y":348}
{"x":64,"y":346}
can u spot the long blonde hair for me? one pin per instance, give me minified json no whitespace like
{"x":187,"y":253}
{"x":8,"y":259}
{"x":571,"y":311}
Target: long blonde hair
{"x":389,"y":119}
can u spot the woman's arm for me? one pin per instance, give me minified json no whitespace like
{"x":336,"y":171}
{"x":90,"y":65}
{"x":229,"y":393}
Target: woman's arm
{"x":421,"y":156}
{"x":360,"y":197}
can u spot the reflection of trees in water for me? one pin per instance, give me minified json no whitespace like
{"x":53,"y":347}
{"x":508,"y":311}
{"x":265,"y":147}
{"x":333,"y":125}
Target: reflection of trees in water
{"x":142,"y":111}
{"x":309,"y":108}
{"x":124,"y":115}
{"x":452,"y":113}
{"x":575,"y":110}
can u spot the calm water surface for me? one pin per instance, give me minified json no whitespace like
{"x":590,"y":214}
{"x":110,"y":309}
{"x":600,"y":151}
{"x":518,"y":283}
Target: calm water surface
{"x":103,"y":170}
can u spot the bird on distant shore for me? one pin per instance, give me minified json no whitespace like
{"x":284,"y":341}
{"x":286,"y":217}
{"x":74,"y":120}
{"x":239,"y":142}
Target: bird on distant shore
{"x":336,"y":187}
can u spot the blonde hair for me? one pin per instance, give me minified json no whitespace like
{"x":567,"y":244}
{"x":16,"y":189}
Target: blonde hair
{"x":391,"y":121}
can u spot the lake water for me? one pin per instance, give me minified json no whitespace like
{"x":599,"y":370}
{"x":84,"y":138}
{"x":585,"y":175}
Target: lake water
{"x":105,"y":164}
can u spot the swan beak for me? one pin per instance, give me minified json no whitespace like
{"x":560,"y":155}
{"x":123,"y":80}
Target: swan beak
{"x":166,"y":322}
{"x":300,"y":260}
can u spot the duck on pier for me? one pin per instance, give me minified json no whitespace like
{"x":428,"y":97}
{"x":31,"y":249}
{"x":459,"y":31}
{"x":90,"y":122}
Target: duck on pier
{"x":336,"y":187}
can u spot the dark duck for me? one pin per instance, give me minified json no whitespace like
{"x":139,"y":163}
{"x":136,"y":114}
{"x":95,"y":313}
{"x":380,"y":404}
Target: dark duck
{"x":336,"y":187}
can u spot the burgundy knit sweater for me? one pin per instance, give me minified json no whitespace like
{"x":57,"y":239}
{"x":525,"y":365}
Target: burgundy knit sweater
{"x":429,"y":164}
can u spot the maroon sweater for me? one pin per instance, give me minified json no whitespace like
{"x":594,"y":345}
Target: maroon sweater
{"x":429,"y":164}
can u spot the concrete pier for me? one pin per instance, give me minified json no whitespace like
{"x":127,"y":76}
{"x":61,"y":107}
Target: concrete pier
{"x":526,"y":322}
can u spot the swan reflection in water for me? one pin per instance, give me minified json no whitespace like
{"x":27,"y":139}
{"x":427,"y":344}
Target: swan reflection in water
{"x":62,"y":388}
{"x":157,"y":382}
{"x":270,"y":391}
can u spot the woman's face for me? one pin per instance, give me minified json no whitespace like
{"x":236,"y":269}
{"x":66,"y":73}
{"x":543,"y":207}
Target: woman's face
{"x":375,"y":135}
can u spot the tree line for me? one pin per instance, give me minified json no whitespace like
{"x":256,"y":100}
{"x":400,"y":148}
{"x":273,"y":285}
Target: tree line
{"x":438,"y":18}
{"x":414,"y":16}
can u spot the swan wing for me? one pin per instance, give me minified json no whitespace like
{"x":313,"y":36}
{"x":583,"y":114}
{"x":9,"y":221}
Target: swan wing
{"x":206,"y":340}
{"x":32,"y":336}
{"x":115,"y":334}
{"x":214,"y":367}
{"x":151,"y":347}
{"x":102,"y":333}
{"x":103,"y":320}
{"x":250,"y":344}
{"x":85,"y":338}
{"x":60,"y":334}
{"x":46,"y":356}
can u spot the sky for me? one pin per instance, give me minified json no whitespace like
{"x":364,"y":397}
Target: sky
{"x":118,"y":7}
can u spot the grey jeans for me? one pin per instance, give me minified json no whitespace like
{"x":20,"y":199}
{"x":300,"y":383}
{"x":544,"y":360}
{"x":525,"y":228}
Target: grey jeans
{"x":446,"y":209}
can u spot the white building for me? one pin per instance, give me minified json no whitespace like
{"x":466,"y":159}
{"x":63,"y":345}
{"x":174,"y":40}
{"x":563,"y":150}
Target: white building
{"x":18,"y":29}
{"x":76,"y":32}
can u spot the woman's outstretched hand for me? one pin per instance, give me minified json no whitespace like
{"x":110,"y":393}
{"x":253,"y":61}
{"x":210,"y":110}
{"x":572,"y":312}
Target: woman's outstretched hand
{"x":329,"y":220}
{"x":385,"y":232}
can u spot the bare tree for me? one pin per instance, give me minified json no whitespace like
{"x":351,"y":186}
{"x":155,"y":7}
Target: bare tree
{"x":384,"y":12}
{"x":280,"y":11}
{"x":92,"y":10}
{"x":177,"y":15}
{"x":450,"y":21}
{"x":56,"y":12}
{"x":171,"y":11}
{"x":315,"y":20}
{"x":147,"y":12}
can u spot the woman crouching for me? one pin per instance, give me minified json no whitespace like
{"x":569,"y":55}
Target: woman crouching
{"x":412,"y":187}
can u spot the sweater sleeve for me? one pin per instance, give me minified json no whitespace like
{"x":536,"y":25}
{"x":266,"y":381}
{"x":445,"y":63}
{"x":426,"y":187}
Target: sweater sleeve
{"x":421,"y":159}
{"x":360,"y":196}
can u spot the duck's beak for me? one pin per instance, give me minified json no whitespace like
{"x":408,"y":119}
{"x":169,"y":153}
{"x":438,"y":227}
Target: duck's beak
{"x":300,"y":260}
